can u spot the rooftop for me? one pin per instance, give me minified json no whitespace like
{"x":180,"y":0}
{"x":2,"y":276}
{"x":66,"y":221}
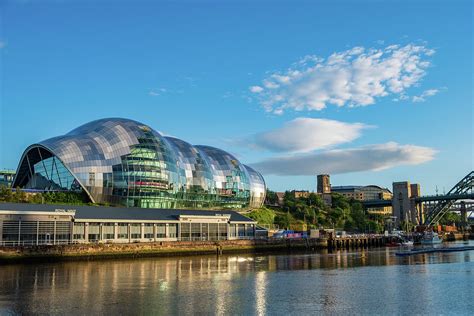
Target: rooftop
{"x":121,"y":213}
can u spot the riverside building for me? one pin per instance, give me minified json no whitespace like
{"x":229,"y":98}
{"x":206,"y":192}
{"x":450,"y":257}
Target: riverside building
{"x":45,"y":224}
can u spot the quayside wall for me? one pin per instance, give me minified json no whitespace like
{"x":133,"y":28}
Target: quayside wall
{"x":172,"y":248}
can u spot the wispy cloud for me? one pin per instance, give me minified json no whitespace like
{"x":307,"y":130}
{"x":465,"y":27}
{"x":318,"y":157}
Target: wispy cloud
{"x":425,"y":94}
{"x":2,"y":44}
{"x":157,"y":92}
{"x":305,"y":134}
{"x":355,"y":77}
{"x":371,"y":157}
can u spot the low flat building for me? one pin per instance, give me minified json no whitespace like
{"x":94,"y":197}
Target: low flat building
{"x":45,"y":224}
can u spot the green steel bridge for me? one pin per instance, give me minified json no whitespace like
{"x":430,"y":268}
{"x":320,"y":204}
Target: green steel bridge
{"x":439,"y":204}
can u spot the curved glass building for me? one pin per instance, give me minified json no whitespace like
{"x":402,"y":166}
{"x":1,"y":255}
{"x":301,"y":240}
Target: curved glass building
{"x":124,"y":162}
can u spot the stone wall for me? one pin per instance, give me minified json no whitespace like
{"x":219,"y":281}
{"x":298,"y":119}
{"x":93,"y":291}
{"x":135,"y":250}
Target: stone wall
{"x":165,"y":248}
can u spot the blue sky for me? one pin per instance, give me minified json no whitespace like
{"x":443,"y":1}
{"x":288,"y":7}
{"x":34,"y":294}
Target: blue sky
{"x":223,"y":74}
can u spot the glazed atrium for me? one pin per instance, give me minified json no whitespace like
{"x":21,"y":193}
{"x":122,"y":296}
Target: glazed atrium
{"x":126,"y":163}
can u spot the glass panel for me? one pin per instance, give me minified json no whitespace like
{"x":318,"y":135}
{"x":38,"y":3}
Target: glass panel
{"x":173,"y":230}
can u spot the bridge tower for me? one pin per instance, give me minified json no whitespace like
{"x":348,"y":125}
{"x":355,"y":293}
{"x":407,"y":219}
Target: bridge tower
{"x":416,"y":207}
{"x":404,"y":205}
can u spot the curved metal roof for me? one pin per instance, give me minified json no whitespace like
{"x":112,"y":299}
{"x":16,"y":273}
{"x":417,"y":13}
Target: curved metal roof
{"x":104,"y":147}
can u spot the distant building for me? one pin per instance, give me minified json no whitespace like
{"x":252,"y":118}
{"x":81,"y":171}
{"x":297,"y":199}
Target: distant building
{"x":6,"y":177}
{"x":363,"y":193}
{"x":366,"y":193}
{"x":300,"y":194}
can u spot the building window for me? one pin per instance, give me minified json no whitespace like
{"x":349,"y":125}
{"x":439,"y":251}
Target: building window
{"x":185,"y":231}
{"x":222,"y":231}
{"x":94,"y":232}
{"x":196,"y":231}
{"x":108,"y":231}
{"x":213,"y":231}
{"x":122,"y":231}
{"x":148,"y":231}
{"x":173,"y":230}
{"x":241,"y":230}
{"x":63,"y":232}
{"x":78,"y":231}
{"x":250,"y":231}
{"x":160,"y":230}
{"x":135,"y":231}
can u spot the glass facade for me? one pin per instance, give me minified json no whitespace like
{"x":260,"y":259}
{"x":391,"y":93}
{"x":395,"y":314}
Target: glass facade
{"x":124,"y":162}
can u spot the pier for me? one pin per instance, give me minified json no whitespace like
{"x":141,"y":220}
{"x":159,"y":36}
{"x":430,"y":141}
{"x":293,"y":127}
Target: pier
{"x":358,"y":242}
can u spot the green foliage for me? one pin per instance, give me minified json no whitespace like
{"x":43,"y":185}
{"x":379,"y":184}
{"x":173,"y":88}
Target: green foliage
{"x":344,"y":213}
{"x":64,"y":197}
{"x":284,"y":220}
{"x":339,"y":201}
{"x":450,"y":218}
{"x":263,"y":215}
{"x":6,"y":194}
{"x":19,"y":196}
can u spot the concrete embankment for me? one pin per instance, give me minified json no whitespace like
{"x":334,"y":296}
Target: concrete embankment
{"x":157,"y":249}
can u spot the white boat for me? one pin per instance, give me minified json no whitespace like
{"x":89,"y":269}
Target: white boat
{"x":431,"y":238}
{"x":407,"y":243}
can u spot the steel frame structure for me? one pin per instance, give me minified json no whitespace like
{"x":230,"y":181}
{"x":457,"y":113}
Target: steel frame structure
{"x":462,"y":190}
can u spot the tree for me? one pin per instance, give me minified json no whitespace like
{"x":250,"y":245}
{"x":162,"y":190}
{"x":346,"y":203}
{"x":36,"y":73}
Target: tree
{"x":6,"y":194}
{"x":263,"y":216}
{"x":450,"y":218}
{"x":316,"y":201}
{"x":19,"y":196}
{"x":358,"y":216}
{"x":338,"y":200}
{"x":284,"y":220}
{"x":271,"y":197}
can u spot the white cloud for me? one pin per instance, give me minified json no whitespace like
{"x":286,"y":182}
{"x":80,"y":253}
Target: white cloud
{"x":2,"y":44}
{"x":306,"y":134}
{"x":157,"y":92}
{"x":355,"y":77}
{"x":256,"y":89}
{"x":372,"y":157}
{"x":425,"y":94}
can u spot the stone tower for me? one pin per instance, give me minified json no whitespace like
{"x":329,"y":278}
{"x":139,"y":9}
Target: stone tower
{"x":324,"y":184}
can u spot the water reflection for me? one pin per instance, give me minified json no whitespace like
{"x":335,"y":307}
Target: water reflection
{"x":366,"y":281}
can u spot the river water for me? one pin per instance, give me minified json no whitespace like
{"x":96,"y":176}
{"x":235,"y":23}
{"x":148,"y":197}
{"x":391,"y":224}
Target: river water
{"x":368,"y":282}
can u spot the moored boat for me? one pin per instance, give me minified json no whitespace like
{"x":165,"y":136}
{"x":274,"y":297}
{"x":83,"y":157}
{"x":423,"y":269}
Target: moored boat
{"x":430,"y":238}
